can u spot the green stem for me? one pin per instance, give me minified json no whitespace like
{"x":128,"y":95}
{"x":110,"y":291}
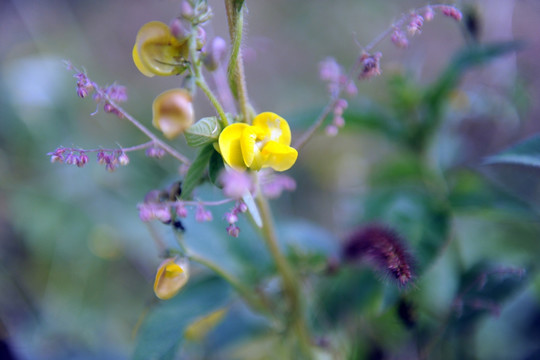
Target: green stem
{"x":290,"y":283}
{"x":243,"y":291}
{"x":201,"y":83}
{"x":235,"y":70}
{"x":199,"y":79}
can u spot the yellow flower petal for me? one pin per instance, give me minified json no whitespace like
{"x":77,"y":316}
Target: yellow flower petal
{"x":138,"y":62}
{"x":171,"y":276}
{"x":274,"y":126}
{"x":250,"y":150}
{"x":230,"y":145}
{"x":172,"y":112}
{"x":157,"y":51}
{"x":278,"y":156}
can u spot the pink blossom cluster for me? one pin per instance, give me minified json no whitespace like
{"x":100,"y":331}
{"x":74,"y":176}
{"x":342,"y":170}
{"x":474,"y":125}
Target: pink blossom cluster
{"x":232,"y":218}
{"x":112,"y":93}
{"x":111,"y":159}
{"x":336,"y":78}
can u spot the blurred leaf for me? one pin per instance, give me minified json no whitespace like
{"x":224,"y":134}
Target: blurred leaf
{"x":205,"y":131}
{"x":347,"y":292}
{"x":469,"y":57}
{"x":162,"y":330}
{"x":517,"y":170}
{"x":196,"y":171}
{"x":525,"y":153}
{"x":215,"y":167}
{"x":404,"y":167}
{"x":482,"y":290}
{"x":472,"y":192}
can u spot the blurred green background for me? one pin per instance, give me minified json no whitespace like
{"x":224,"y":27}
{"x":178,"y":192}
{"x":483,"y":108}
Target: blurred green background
{"x":77,"y":265}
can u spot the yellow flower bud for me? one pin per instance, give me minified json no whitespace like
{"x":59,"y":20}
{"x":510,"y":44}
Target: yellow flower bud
{"x":158,"y":52}
{"x":172,"y":112}
{"x":266,"y":143}
{"x":171,"y":276}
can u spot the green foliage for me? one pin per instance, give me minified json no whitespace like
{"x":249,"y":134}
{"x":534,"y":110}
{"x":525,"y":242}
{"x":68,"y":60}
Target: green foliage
{"x":196,"y":171}
{"x":203,"y":132}
{"x":162,"y":331}
{"x":517,"y":170}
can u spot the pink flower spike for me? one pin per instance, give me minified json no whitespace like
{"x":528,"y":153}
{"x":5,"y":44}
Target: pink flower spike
{"x":201,"y":214}
{"x":181,"y":210}
{"x":429,"y":14}
{"x":123,"y":159}
{"x":233,"y":230}
{"x":399,"y":39}
{"x":231,"y":218}
{"x":452,"y":12}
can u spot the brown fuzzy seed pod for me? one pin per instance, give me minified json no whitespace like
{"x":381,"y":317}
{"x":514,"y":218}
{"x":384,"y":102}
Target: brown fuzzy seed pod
{"x":383,"y":249}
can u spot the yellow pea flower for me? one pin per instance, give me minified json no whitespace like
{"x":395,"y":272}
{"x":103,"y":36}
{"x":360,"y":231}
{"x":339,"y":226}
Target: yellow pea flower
{"x":172,"y":112}
{"x":266,"y":143}
{"x":171,"y":276}
{"x":158,"y":52}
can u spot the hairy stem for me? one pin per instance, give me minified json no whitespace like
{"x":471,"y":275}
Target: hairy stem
{"x":290,"y":283}
{"x":201,"y":83}
{"x":242,"y":290}
{"x":235,"y":70}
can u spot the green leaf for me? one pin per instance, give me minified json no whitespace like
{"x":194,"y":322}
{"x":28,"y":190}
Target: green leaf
{"x":517,"y":169}
{"x":162,"y":330}
{"x":215,"y":167}
{"x":204,"y":131}
{"x":196,"y":172}
{"x":238,"y":4}
{"x":525,"y":153}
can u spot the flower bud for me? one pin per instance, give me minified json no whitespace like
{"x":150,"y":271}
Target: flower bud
{"x":178,"y":30}
{"x":173,"y":112}
{"x":201,"y":38}
{"x":215,"y":53}
{"x":171,"y":276}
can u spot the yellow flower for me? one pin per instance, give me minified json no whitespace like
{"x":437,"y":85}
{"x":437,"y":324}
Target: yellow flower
{"x":171,"y":276}
{"x":158,"y":52}
{"x":266,"y":143}
{"x":172,"y":112}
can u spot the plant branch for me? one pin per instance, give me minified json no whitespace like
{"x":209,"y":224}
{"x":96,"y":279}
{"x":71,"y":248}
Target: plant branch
{"x":290,"y":283}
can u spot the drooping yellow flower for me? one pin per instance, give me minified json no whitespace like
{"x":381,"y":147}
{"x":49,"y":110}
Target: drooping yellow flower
{"x":171,"y":276}
{"x":266,"y":143}
{"x":158,"y":52}
{"x":172,"y":112}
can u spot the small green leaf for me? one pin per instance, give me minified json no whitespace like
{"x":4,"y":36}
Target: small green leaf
{"x":215,"y":167}
{"x":196,"y":171}
{"x":517,"y":170}
{"x":526,"y":153}
{"x":203,"y":132}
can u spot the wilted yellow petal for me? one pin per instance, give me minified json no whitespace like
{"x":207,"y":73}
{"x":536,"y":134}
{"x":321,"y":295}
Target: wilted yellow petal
{"x":276,"y":127}
{"x":278,"y":156}
{"x":171,"y":276}
{"x":198,"y":329}
{"x":230,"y":147}
{"x":157,"y":51}
{"x":139,"y":64}
{"x":173,"y":112}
